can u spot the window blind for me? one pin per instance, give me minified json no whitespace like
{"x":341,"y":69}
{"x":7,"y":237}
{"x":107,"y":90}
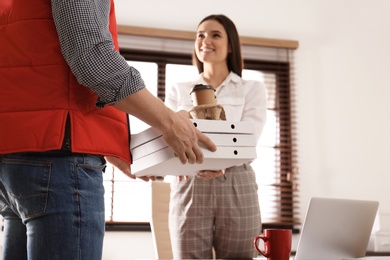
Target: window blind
{"x":282,"y":187}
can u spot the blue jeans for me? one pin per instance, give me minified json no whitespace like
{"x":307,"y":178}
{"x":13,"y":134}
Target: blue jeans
{"x":53,"y":206}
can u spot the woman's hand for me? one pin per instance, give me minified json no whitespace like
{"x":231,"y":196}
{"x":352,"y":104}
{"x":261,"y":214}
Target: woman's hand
{"x":207,"y":175}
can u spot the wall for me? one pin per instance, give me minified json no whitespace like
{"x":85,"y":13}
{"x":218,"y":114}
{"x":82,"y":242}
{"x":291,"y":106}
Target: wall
{"x":342,"y":80}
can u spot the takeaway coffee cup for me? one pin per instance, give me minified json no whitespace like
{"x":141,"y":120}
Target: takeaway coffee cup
{"x":203,"y":95}
{"x":277,"y":244}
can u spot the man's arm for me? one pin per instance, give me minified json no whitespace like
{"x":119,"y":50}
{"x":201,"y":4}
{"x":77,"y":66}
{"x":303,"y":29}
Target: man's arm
{"x":177,"y":129}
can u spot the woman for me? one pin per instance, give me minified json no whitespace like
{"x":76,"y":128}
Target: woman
{"x":218,"y":209}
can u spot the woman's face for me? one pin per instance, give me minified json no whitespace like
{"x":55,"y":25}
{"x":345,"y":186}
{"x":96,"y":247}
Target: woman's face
{"x":211,"y":44}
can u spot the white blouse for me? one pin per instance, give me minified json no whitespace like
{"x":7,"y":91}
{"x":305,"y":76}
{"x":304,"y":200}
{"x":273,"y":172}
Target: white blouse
{"x":242,"y":100}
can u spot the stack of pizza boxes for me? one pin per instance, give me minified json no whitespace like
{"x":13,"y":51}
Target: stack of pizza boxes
{"x":235,"y":141}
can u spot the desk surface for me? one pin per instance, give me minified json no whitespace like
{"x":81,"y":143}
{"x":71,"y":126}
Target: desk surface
{"x":361,"y":258}
{"x":374,"y":255}
{"x":377,"y":253}
{"x":369,"y":256}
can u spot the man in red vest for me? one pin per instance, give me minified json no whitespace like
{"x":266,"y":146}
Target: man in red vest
{"x":65,"y":93}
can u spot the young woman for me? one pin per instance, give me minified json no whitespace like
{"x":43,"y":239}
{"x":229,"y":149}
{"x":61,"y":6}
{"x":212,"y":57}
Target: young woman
{"x":218,"y":209}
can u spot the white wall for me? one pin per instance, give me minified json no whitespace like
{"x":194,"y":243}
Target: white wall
{"x":342,"y":81}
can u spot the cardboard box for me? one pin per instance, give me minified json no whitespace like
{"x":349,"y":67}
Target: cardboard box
{"x":383,"y":221}
{"x":165,"y":162}
{"x":233,"y":140}
{"x":235,"y":143}
{"x":205,"y":126}
{"x":382,"y":241}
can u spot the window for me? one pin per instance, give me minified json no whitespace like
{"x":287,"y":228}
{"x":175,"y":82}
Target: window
{"x":128,"y":201}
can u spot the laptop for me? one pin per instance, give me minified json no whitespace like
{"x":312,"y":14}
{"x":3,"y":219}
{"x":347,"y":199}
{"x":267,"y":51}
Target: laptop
{"x":336,"y":229}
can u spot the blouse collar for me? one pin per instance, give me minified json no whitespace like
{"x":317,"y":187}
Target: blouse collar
{"x":230,"y":77}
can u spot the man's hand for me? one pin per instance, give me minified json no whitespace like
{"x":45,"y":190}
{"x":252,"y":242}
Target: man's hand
{"x":125,"y":168}
{"x":183,"y":138}
{"x":178,"y":131}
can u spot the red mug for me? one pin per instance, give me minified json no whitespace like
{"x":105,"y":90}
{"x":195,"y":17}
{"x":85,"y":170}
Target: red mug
{"x":277,"y":244}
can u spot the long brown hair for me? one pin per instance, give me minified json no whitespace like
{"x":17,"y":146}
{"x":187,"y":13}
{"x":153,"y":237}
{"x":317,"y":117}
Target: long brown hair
{"x":234,"y":58}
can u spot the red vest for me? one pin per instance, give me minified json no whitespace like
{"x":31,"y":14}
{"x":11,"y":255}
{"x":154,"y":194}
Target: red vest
{"x":38,"y":90}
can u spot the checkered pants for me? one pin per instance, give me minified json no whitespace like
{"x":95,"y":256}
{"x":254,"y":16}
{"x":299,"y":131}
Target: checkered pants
{"x":222,"y":213}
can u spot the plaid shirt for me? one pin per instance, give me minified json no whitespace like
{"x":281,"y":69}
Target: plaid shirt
{"x":87,"y":46}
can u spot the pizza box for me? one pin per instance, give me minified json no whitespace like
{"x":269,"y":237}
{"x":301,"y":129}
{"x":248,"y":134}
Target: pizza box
{"x":234,"y":140}
{"x":204,"y":125}
{"x":159,"y":143}
{"x":165,"y":162}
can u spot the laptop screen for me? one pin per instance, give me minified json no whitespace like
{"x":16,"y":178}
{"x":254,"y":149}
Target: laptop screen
{"x":336,"y":229}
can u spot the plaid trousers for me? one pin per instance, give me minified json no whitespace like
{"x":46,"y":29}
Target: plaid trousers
{"x":223,"y":213}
